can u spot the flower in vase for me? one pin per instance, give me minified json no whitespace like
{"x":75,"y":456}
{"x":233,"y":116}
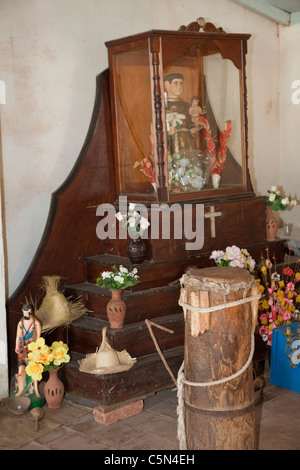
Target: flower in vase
{"x":34,"y":370}
{"x":43,"y":357}
{"x":118,"y":278}
{"x":40,"y":352}
{"x":133,"y":221}
{"x":278,"y":202}
{"x":59,"y":353}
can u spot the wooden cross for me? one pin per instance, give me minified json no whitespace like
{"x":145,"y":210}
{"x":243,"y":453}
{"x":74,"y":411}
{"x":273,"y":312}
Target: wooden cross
{"x":212,"y":215}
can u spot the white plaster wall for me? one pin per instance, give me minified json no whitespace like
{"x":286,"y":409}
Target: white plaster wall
{"x":289,"y":171}
{"x":50,"y":54}
{"x":3,"y":333}
{"x":3,"y":327}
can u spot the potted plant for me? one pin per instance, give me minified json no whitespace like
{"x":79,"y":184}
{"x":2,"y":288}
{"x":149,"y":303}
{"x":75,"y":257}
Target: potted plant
{"x":44,"y":358}
{"x":136,"y":225}
{"x":116,"y":281}
{"x":275,"y":202}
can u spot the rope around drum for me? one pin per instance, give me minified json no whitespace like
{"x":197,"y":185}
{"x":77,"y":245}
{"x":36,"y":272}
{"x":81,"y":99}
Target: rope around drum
{"x":181,"y":379}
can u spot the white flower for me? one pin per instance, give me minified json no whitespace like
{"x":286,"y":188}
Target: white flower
{"x":180,"y":171}
{"x":131,"y":206}
{"x":285,"y":201}
{"x":174,"y":118}
{"x":252,"y":265}
{"x":122,"y":269}
{"x":217,"y":255}
{"x":184,"y":162}
{"x":274,"y":189}
{"x":119,"y":279}
{"x":293,"y":202}
{"x":144,"y":223}
{"x":106,"y":274}
{"x":237,"y":263}
{"x":272,"y":197}
{"x":132,"y":221}
{"x":119,"y":216}
{"x":233,"y":252}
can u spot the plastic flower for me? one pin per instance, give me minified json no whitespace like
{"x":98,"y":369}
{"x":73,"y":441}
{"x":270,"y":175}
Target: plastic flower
{"x":175,"y":119}
{"x":233,"y":252}
{"x":279,"y":302}
{"x":134,"y":221}
{"x":216,"y":255}
{"x":40,"y":352}
{"x":234,"y":257}
{"x":288,"y":271}
{"x":278,"y":202}
{"x":118,"y":278}
{"x":34,"y":370}
{"x":59,"y":352}
{"x":264,"y":304}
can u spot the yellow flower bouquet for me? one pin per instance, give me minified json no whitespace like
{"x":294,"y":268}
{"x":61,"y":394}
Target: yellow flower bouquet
{"x":42,"y":357}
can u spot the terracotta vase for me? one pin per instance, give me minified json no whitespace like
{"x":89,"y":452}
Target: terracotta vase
{"x":54,"y":390}
{"x":136,"y":251}
{"x":271,"y":224}
{"x":116,"y":309}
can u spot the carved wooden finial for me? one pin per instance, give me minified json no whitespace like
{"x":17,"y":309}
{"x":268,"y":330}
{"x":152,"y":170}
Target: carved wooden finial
{"x":199,"y":25}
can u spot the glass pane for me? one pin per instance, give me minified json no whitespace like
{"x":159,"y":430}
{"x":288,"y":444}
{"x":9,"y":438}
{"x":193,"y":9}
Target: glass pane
{"x":133,"y":119}
{"x":203,"y":119}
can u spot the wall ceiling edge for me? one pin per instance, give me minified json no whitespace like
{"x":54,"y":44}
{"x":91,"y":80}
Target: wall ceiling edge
{"x":274,"y":13}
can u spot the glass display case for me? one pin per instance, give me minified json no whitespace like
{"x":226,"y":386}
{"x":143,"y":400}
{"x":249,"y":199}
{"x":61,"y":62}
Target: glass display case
{"x":179,"y":113}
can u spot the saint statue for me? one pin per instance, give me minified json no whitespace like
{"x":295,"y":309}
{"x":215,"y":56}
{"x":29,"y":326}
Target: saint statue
{"x":28,"y":330}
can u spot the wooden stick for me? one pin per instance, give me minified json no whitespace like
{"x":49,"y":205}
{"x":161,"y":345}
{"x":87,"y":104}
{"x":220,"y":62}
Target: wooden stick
{"x":149,"y":323}
{"x":254,"y":305}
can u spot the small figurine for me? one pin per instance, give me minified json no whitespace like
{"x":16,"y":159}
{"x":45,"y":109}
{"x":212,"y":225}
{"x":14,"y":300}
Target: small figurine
{"x":195,"y":111}
{"x":28,"y":330}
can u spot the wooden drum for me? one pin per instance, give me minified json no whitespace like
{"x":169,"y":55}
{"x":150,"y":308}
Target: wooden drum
{"x":219,"y":344}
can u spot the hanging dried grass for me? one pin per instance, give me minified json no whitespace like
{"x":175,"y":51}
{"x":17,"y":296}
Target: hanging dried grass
{"x":55,"y":309}
{"x":106,"y":360}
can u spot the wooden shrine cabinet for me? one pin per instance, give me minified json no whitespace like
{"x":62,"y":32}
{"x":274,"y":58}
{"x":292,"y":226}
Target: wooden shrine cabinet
{"x":170,"y":112}
{"x":180,"y":138}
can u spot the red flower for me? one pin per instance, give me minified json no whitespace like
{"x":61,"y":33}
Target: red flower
{"x":288,"y":272}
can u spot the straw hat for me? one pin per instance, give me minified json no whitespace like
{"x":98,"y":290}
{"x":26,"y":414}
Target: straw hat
{"x":106,"y":360}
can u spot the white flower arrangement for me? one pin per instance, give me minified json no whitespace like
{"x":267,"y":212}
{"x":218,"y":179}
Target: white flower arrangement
{"x":278,"y":202}
{"x":233,"y":256}
{"x":118,"y":278}
{"x":135,"y":223}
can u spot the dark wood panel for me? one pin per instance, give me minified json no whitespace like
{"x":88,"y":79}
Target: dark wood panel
{"x":145,"y":378}
{"x":85,"y":335}
{"x":70,"y":232}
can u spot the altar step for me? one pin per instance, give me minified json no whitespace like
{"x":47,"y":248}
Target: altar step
{"x":84,"y":335}
{"x":148,"y":376}
{"x":155,"y":300}
{"x":140,"y":304}
{"x":151,"y":273}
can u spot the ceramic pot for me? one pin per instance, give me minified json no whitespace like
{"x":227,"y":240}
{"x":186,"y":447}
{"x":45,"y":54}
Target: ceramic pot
{"x":54,"y":390}
{"x":116,"y":309}
{"x":216,"y":180}
{"x":136,"y":250}
{"x":271,"y":224}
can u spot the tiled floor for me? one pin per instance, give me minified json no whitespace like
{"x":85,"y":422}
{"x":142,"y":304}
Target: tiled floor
{"x":155,"y":428}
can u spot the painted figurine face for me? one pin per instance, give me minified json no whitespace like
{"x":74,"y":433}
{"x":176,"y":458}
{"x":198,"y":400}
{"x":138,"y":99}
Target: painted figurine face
{"x":174,"y":89}
{"x":26,"y":312}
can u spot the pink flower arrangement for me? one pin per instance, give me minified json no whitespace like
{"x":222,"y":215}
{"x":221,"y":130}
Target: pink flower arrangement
{"x":233,"y":256}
